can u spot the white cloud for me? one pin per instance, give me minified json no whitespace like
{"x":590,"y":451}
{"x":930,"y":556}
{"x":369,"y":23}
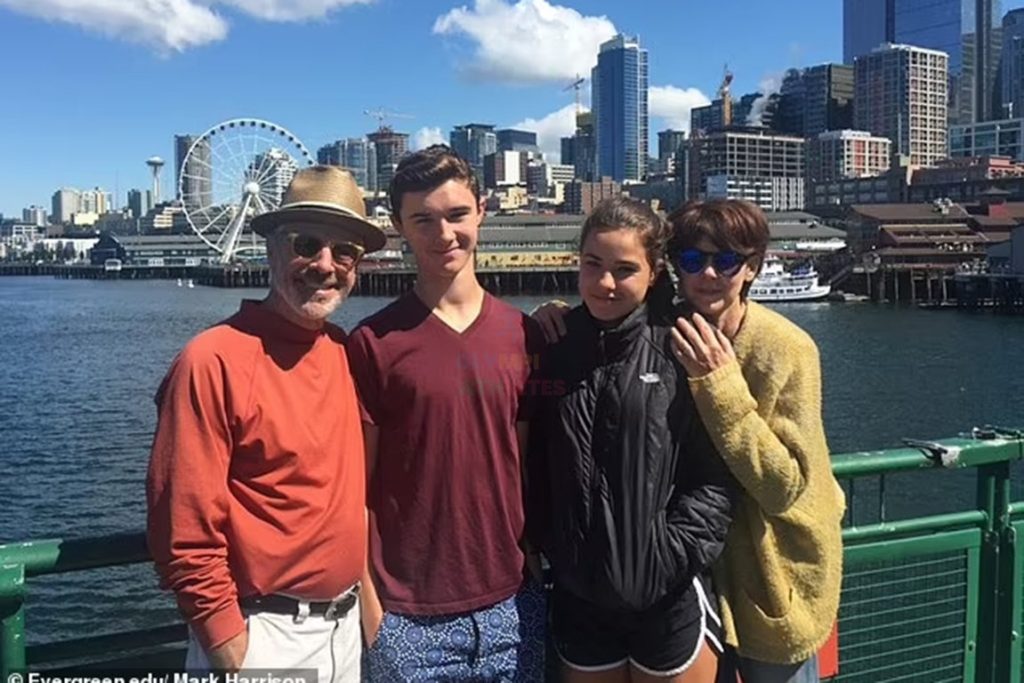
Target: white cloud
{"x":551,"y":129}
{"x":168,"y":25}
{"x":673,"y":105}
{"x":530,"y":41}
{"x":290,"y":10}
{"x":164,"y":24}
{"x":425,"y":137}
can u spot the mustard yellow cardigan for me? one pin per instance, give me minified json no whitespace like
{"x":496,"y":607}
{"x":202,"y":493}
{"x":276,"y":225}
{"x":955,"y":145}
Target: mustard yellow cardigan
{"x":779,"y":576}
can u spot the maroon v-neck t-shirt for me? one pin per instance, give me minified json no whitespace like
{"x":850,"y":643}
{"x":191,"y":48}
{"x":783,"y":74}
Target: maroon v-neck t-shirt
{"x":445,"y":499}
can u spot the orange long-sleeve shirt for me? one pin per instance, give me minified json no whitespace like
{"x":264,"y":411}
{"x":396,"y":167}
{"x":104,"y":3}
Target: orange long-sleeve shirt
{"x":256,"y":477}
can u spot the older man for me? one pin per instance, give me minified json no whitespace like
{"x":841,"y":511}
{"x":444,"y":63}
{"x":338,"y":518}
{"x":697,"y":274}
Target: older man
{"x":256,"y":479}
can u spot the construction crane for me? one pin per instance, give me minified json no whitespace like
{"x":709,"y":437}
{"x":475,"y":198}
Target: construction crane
{"x":575,"y":85}
{"x":723,"y":92}
{"x":382,"y":115}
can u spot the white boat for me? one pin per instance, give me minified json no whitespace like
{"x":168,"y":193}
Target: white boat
{"x":829,"y":245}
{"x":774,"y":283}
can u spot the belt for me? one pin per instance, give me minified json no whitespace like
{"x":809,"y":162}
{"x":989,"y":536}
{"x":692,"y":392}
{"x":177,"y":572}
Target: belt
{"x":282,"y":604}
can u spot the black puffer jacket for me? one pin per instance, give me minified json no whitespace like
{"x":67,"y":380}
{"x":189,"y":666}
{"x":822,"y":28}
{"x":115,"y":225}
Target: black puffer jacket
{"x":626,"y":495}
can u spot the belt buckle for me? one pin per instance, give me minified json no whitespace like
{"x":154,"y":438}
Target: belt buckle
{"x":346,"y":600}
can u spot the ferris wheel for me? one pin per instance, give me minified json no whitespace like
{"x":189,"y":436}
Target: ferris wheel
{"x":233,"y":172}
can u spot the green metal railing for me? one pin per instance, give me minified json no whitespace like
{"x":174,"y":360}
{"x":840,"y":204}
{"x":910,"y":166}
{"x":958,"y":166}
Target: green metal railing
{"x":929,"y":598}
{"x":149,"y":647}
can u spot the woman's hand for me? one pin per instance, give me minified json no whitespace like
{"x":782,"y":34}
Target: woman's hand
{"x":700,"y":347}
{"x":549,"y":316}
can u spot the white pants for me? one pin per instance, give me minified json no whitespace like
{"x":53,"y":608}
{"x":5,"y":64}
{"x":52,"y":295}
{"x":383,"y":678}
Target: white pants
{"x":280,"y":641}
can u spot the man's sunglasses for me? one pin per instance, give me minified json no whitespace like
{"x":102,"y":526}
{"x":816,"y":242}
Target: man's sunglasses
{"x":344,"y":254}
{"x":726,"y":263}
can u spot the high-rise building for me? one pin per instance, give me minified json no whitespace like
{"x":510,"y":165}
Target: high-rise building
{"x":545,"y":179}
{"x":866,"y":25}
{"x":512,"y":140}
{"x":95,"y":201}
{"x":582,"y":196}
{"x":758,"y":109}
{"x":195,"y":186}
{"x":505,"y":168}
{"x":816,"y":99}
{"x":34,"y":215}
{"x":140,"y":202}
{"x":568,"y":146}
{"x":474,"y":142}
{"x":828,"y":99}
{"x":901,"y":94}
{"x":64,"y":204}
{"x":1012,"y":68}
{"x":793,"y":98}
{"x":390,"y":148}
{"x":987,"y":139}
{"x":969,"y":31}
{"x":750,"y":163}
{"x":707,"y":119}
{"x":619,"y":96}
{"x":356,"y":155}
{"x":578,"y":150}
{"x":841,"y":154}
{"x":670,"y":142}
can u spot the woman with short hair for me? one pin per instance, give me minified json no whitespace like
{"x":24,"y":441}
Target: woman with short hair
{"x":755,"y":378}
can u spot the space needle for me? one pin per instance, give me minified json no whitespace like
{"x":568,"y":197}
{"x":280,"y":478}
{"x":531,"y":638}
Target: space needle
{"x":155,"y":164}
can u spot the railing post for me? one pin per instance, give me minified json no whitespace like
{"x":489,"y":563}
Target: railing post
{"x":1008,"y":592}
{"x":1008,"y":662}
{"x":12,"y":619}
{"x":994,"y":500}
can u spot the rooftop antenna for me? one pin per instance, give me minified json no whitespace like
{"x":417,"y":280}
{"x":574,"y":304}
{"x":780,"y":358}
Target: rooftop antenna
{"x":576,"y":85}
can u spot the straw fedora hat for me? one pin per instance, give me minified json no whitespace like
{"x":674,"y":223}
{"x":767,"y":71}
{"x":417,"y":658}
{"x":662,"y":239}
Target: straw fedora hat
{"x":326,"y":195}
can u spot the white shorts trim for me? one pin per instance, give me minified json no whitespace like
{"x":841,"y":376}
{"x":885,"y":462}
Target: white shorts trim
{"x":705,"y":602}
{"x":696,"y":650}
{"x":716,"y":645}
{"x":591,"y":669}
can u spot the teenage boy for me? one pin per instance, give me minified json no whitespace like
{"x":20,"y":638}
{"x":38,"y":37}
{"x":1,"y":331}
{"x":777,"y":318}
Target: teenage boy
{"x":440,"y":374}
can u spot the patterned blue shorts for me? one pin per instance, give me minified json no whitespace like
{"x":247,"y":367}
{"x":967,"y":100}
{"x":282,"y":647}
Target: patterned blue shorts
{"x":503,"y":642}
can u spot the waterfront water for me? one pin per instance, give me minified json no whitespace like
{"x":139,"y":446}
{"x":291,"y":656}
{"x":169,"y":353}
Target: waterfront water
{"x":80,"y":360}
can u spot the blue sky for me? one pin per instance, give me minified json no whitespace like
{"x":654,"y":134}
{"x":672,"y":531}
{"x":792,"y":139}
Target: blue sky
{"x":94,"y":87}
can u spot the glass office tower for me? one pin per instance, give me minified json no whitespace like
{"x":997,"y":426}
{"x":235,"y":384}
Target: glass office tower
{"x":619,"y":97}
{"x":969,"y":31}
{"x":866,"y":25}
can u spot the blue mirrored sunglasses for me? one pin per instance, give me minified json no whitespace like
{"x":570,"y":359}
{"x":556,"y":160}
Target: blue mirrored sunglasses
{"x":726,"y":262}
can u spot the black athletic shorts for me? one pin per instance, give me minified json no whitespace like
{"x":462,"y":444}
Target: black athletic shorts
{"x":663,"y":640}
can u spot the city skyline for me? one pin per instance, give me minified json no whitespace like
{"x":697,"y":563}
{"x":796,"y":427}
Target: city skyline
{"x":494,"y":61}
{"x":95,"y":104}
